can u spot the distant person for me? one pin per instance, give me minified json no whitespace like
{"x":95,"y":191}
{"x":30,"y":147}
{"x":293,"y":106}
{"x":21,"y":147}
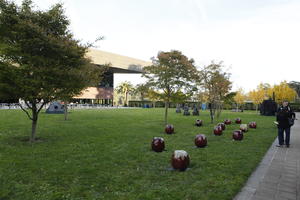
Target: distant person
{"x":284,"y":120}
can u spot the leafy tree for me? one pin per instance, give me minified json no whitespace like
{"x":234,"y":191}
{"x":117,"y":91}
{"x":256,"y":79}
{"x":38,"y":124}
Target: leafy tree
{"x":296,"y":86}
{"x":283,"y":92}
{"x":257,"y":97}
{"x":215,"y":84}
{"x":39,"y":59}
{"x":229,"y":98}
{"x":125,"y":88}
{"x":142,"y":90}
{"x":91,"y":76}
{"x":170,"y":73}
{"x":154,"y":96}
{"x":202,"y":96}
{"x":265,"y":87}
{"x":239,"y":98}
{"x":180,"y":97}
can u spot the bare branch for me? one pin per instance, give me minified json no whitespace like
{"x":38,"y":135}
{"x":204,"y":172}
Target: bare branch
{"x":27,"y":104}
{"x":27,"y":113}
{"x":41,"y":107}
{"x":92,"y":44}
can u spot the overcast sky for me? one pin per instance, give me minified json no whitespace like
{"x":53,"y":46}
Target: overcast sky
{"x":258,"y":40}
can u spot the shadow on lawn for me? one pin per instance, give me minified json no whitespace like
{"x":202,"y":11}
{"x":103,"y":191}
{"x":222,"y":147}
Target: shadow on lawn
{"x":24,"y":140}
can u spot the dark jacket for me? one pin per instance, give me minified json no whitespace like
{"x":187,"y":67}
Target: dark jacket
{"x":283,"y":115}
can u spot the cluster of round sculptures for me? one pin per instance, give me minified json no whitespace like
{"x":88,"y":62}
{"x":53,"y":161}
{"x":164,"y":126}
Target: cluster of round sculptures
{"x":180,"y":159}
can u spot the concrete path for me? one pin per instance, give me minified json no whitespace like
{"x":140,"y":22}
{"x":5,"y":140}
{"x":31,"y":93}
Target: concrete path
{"x":278,"y":175}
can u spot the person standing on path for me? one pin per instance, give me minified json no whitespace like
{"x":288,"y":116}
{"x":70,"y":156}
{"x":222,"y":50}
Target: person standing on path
{"x":285,"y":117}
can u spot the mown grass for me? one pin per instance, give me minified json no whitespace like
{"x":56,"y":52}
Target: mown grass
{"x":105,"y":154}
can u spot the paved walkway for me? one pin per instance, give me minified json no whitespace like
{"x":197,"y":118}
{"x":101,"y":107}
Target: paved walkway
{"x":278,"y":175}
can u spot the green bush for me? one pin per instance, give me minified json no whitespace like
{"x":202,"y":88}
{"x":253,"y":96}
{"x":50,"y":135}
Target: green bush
{"x":295,"y":107}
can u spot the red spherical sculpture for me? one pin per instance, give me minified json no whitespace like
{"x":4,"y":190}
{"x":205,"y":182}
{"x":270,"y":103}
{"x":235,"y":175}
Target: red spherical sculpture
{"x":180,"y":160}
{"x":238,"y":121}
{"x":237,"y":135}
{"x":198,"y":122}
{"x":227,"y":121}
{"x":200,"y":140}
{"x":158,"y":144}
{"x":244,"y":127}
{"x":169,"y":129}
{"x":223,"y":126}
{"x":252,"y":125}
{"x":218,"y":130}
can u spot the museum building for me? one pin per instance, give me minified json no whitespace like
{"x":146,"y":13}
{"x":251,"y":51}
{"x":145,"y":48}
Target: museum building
{"x":104,"y":92}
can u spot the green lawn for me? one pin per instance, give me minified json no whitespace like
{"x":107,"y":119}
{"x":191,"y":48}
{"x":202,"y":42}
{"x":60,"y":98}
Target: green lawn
{"x":105,"y":154}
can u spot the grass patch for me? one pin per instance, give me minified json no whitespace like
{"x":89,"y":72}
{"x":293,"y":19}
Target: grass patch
{"x":105,"y":154}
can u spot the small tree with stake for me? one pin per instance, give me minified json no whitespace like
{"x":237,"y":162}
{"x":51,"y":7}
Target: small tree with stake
{"x":171,"y":72}
{"x":39,"y":59}
{"x":239,"y":98}
{"x":215,"y":84}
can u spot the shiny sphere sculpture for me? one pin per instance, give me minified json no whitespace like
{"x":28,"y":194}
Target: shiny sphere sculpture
{"x":180,"y":160}
{"x":252,"y":125}
{"x":169,"y":129}
{"x":200,"y":140}
{"x":244,"y":127}
{"x":223,"y":126}
{"x":218,"y":130}
{"x":238,"y":121}
{"x":198,"y":122}
{"x":237,"y":135}
{"x":227,"y":121}
{"x":158,"y":144}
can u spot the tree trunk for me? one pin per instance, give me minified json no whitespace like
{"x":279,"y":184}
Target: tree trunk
{"x":66,"y":110}
{"x":237,"y":107}
{"x":166,"y":112}
{"x":211,"y":113}
{"x":34,"y":122}
{"x":142,"y":99}
{"x":256,"y":109}
{"x":33,"y":130}
{"x":219,"y":110}
{"x":125,"y":103}
{"x":214,"y":112}
{"x":153,"y":104}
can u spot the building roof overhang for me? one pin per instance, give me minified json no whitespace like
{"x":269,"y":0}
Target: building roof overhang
{"x":118,"y":63}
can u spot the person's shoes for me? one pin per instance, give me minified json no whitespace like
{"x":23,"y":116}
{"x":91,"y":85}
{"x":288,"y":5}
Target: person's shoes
{"x":278,"y":145}
{"x":287,"y":146}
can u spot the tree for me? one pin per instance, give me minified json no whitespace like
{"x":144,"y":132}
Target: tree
{"x":154,"y":96}
{"x":39,"y":59}
{"x":283,"y":92}
{"x":257,"y":97}
{"x":125,"y":88}
{"x":170,"y":72}
{"x":229,"y":99}
{"x":91,"y":76}
{"x":265,"y":88}
{"x":142,"y":90}
{"x":180,"y":97}
{"x":239,"y":98}
{"x":215,"y":84}
{"x":296,"y":86}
